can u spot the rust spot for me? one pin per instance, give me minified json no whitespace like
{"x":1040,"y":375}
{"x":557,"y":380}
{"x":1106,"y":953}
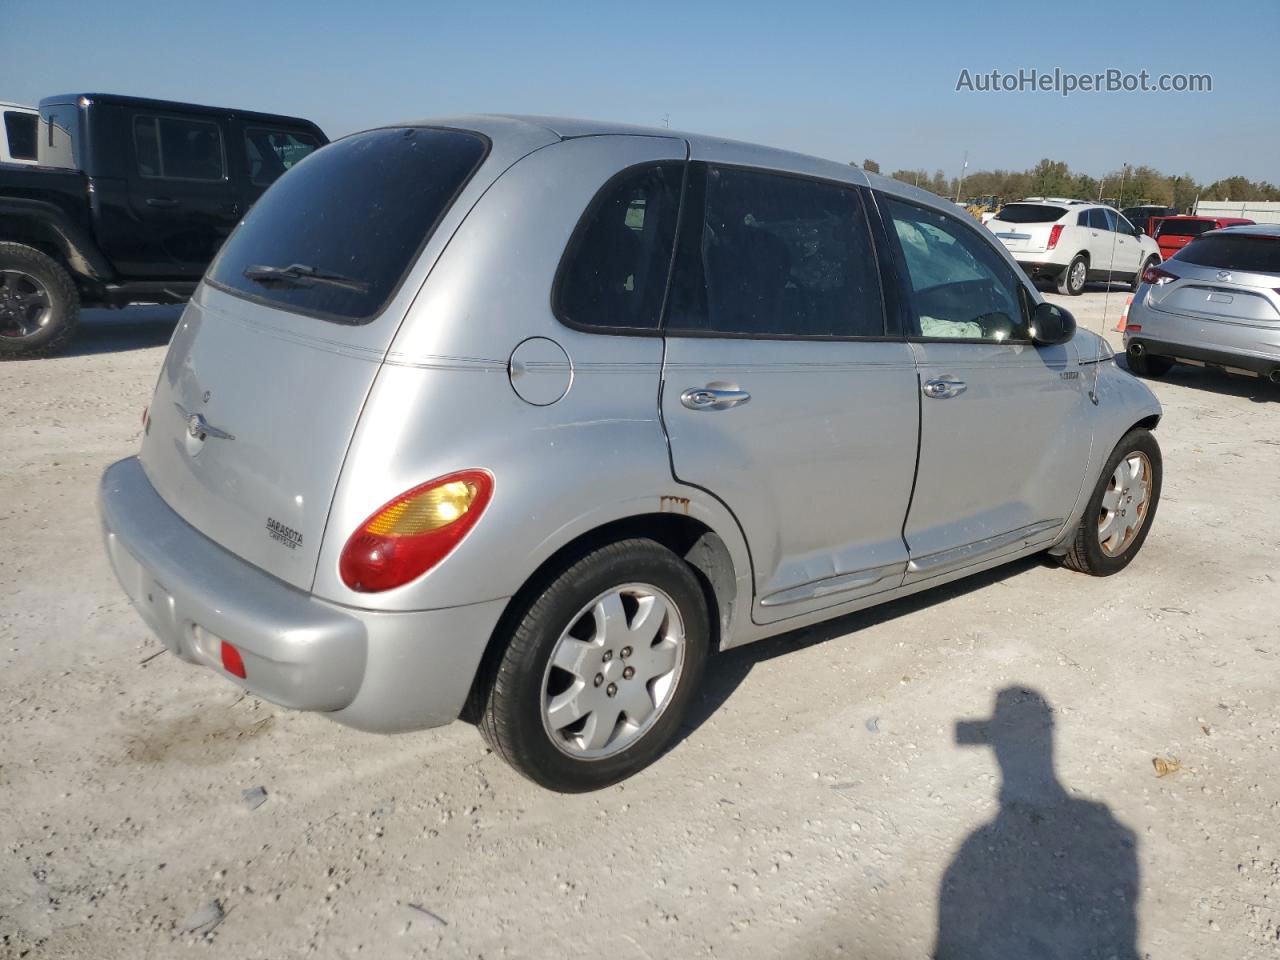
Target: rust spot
{"x":674,"y":505}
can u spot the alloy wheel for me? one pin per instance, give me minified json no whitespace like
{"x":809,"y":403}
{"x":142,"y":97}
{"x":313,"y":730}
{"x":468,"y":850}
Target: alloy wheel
{"x":25,"y":305}
{"x":1124,"y":504}
{"x":613,"y":671}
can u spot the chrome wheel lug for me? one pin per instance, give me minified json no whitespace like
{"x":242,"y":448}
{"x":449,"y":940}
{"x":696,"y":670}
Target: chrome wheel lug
{"x":599,"y":679}
{"x":628,"y":673}
{"x":608,"y":655}
{"x":626,"y":652}
{"x":611,"y":689}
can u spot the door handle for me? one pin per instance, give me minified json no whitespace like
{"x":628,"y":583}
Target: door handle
{"x":944,"y":389}
{"x":713,"y":398}
{"x":161,"y":202}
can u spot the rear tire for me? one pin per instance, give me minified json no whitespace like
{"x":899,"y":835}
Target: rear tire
{"x":1121,"y":509}
{"x":1137,"y":277}
{"x":1072,"y":280}
{"x":39,"y":303}
{"x":1145,"y":365}
{"x":582,"y":695}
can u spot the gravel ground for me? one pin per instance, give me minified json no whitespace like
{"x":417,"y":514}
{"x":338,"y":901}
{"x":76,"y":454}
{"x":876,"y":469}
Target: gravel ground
{"x":818,"y":804}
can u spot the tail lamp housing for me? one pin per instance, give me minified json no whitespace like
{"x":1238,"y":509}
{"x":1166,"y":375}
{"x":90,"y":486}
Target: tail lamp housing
{"x":409,"y":535}
{"x":1156,"y":276}
{"x":1054,"y":233}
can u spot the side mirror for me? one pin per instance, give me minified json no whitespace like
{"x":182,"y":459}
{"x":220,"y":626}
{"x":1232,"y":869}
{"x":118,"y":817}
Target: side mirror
{"x":1138,"y":231}
{"x":1051,"y":325}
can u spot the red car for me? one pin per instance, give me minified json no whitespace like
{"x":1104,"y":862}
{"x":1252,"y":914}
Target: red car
{"x":1174,"y":233}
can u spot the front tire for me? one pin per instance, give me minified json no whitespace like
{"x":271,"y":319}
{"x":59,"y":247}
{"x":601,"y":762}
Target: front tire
{"x":599,"y":668}
{"x":39,"y":303}
{"x":1119,"y":514}
{"x":1072,"y":280}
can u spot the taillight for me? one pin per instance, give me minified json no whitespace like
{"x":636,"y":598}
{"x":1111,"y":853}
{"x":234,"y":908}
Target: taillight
{"x":1054,"y":234}
{"x":232,"y":662}
{"x":1156,"y":276}
{"x":414,"y":532}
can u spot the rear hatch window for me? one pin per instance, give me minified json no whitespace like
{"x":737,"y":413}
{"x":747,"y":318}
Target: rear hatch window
{"x":1224,"y":251}
{"x":1029,"y":213}
{"x":335,"y":236}
{"x":1182,"y":228}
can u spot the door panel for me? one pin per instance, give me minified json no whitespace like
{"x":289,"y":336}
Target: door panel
{"x":1128,"y":255}
{"x":1101,"y":240}
{"x":1001,"y":462}
{"x":808,"y":436}
{"x":816,"y":465}
{"x":1001,"y":451}
{"x":182,"y":200}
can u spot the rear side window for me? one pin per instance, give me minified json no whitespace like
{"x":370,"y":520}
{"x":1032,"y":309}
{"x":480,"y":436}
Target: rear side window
{"x":272,"y":152}
{"x":961,"y":288}
{"x":774,"y":256}
{"x":20,"y":131}
{"x":1029,"y":213}
{"x":615,"y":269}
{"x":178,"y":149}
{"x":335,"y":236}
{"x":1182,"y":228}
{"x":1252,"y":254}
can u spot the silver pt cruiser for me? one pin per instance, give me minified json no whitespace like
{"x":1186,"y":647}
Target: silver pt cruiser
{"x":519,"y":419}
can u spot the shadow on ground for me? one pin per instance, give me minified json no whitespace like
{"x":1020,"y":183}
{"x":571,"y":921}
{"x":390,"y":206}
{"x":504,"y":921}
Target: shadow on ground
{"x":726,"y":671}
{"x":136,"y":327}
{"x":1256,"y":389}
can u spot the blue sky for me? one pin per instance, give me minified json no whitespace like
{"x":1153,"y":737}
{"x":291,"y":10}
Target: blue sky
{"x":836,"y":79}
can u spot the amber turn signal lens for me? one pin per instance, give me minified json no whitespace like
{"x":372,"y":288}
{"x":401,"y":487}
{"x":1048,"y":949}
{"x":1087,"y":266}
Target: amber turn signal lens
{"x":412,"y":533}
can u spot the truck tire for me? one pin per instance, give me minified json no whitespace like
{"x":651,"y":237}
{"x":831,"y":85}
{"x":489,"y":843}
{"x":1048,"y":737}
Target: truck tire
{"x":39,"y":303}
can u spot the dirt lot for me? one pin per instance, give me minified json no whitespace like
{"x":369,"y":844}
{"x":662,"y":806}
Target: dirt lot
{"x":811,"y":809}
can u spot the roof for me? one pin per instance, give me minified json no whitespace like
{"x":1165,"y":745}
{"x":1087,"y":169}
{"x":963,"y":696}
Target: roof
{"x":1250,"y":229}
{"x":8,"y":105}
{"x":175,"y":105}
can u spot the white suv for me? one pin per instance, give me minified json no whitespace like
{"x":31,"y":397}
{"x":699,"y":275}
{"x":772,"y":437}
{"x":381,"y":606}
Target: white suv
{"x":1072,"y":241}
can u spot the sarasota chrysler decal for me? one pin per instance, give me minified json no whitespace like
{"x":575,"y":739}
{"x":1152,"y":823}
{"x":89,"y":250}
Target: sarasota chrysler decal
{"x":290,"y":537}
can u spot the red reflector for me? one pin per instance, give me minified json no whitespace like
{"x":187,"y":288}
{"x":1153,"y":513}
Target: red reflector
{"x":231,"y":660}
{"x":1133,"y":328}
{"x":1054,"y":234}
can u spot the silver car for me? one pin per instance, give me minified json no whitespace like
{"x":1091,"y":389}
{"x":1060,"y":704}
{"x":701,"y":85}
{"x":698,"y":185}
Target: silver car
{"x":1214,"y":303}
{"x":518,"y":420}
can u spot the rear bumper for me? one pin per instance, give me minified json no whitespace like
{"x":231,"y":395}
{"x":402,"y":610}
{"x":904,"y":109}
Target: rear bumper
{"x":371,"y":670}
{"x":1218,"y":343}
{"x":1040,"y":267}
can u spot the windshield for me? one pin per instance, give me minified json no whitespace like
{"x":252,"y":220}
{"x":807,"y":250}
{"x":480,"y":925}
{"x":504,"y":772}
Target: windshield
{"x":358,"y":210}
{"x":1029,"y":213}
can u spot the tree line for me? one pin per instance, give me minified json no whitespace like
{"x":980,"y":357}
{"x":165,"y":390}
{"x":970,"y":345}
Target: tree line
{"x":1051,"y":178}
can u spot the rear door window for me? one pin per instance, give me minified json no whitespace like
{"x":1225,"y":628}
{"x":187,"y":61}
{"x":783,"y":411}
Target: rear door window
{"x":614,"y":272}
{"x":272,"y":152}
{"x":176,"y":148}
{"x":335,"y":237}
{"x":767,"y":255}
{"x":1029,"y":213}
{"x":1251,"y":254}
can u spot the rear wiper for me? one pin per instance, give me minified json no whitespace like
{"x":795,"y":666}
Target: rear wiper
{"x":301,"y":271}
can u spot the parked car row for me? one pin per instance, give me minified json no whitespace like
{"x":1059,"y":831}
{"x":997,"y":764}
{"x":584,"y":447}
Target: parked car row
{"x":1071,"y":242}
{"x":126,"y":200}
{"x":519,"y":419}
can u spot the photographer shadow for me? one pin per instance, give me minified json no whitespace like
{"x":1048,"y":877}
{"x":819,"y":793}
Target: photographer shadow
{"x":1052,"y":875}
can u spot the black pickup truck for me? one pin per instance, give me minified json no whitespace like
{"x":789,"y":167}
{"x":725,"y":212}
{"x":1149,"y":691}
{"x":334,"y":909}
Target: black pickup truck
{"x":129,"y":201}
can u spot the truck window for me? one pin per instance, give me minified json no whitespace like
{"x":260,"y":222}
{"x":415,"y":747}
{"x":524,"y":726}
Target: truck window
{"x":272,"y":152}
{"x":178,"y":149}
{"x":20,"y":130}
{"x":59,"y":136}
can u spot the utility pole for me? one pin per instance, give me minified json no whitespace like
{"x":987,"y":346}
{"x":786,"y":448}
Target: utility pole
{"x":963,"y":168}
{"x":666,"y":120}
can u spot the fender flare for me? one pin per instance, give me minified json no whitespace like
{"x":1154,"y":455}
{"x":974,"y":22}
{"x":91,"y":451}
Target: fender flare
{"x":50,"y":223}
